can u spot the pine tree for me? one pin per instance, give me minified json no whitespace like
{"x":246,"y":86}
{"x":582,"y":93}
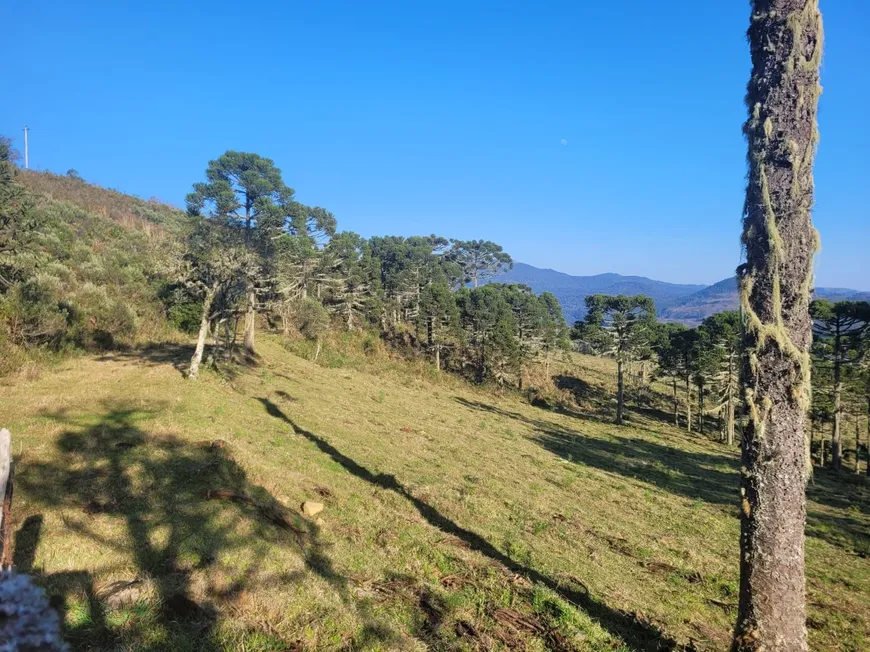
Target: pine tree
{"x":723,"y":332}
{"x":667,"y":346}
{"x":621,"y":327}
{"x":478,"y":260}
{"x":246,"y":191}
{"x":438,"y":319}
{"x":840,"y":330}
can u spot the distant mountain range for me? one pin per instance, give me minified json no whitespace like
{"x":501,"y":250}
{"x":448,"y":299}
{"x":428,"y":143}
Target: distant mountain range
{"x":687,"y":304}
{"x":721,"y":296}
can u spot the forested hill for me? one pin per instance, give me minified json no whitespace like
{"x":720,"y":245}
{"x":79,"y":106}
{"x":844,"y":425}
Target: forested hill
{"x":572,"y":290}
{"x":687,"y":304}
{"x":719,"y":297}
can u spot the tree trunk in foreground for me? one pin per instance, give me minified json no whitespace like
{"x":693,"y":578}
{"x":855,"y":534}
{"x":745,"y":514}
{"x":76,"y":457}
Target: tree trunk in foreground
{"x":204,"y":324}
{"x":620,"y":391}
{"x":785,"y":38}
{"x":250,"y":322}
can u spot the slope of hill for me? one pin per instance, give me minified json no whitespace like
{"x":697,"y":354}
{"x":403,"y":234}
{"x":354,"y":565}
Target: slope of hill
{"x":572,"y":290}
{"x":165,"y":513}
{"x":92,"y":273}
{"x":125,"y":210}
{"x":721,"y":296}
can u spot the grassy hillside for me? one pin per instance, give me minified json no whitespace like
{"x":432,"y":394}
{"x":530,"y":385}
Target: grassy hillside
{"x":93,"y":275}
{"x":151,"y":216}
{"x":164,"y":513}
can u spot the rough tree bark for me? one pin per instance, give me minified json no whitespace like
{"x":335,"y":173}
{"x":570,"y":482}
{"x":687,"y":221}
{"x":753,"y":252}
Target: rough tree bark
{"x":785,"y":38}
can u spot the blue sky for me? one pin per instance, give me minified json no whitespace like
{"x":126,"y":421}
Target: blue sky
{"x":586,"y":137}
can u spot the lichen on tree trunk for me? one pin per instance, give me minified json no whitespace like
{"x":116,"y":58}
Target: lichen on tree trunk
{"x":785,"y":39}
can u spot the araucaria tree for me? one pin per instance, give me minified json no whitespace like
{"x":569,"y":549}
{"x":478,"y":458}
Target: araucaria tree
{"x":619,"y":326}
{"x":840,"y":330}
{"x":246,"y":191}
{"x":438,"y":319}
{"x":722,"y":333}
{"x":668,"y":350}
{"x":785,"y":38}
{"x":478,"y":260}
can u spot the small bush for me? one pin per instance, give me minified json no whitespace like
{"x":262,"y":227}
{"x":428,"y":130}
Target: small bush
{"x":34,"y":313}
{"x":185,"y":316}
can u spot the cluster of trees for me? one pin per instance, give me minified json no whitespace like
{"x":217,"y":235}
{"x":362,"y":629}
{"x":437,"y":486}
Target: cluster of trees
{"x":841,"y":377}
{"x":81,"y":266}
{"x":702,"y":365}
{"x":700,"y":362}
{"x":256,"y":254}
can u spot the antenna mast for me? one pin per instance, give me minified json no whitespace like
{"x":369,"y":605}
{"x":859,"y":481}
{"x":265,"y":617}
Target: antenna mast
{"x":26,"y":151}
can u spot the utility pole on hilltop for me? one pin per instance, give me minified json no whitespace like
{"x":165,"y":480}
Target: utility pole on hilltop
{"x":26,"y":152}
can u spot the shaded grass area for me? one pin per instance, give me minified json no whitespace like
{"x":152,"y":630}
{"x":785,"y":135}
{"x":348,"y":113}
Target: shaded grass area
{"x":151,"y":498}
{"x":164,"y":514}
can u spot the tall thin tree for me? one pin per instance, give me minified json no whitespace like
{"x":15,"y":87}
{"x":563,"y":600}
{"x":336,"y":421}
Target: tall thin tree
{"x":785,"y":39}
{"x":622,"y":327}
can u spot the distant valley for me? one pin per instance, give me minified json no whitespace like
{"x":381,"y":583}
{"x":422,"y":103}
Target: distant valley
{"x":687,"y":304}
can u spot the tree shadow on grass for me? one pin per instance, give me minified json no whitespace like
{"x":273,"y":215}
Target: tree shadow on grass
{"x":851,"y":495}
{"x":197,"y":531}
{"x":179,"y":355}
{"x":711,"y":477}
{"x":636,"y":633}
{"x":689,"y":474}
{"x":153,"y":354}
{"x":595,"y":403}
{"x":601,"y":403}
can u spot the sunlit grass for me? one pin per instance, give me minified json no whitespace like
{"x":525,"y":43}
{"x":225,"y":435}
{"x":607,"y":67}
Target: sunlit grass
{"x":448,"y":512}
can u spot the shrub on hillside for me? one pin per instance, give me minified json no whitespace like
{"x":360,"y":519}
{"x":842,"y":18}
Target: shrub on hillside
{"x":34,"y":311}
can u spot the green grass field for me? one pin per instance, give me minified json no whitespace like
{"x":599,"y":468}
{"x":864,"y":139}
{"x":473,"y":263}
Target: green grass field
{"x":165,"y":514}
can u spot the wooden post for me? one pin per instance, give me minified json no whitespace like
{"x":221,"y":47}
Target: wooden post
{"x":6,"y":493}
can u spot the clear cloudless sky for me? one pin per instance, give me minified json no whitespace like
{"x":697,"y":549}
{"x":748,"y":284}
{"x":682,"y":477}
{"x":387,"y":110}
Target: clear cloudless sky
{"x":582,"y":136}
